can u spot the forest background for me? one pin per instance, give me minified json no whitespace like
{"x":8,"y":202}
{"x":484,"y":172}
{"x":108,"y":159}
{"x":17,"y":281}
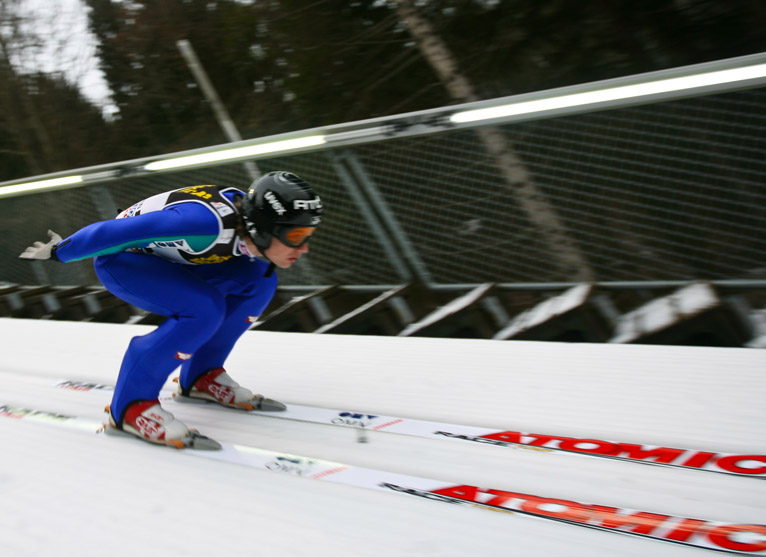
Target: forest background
{"x":287,"y":65}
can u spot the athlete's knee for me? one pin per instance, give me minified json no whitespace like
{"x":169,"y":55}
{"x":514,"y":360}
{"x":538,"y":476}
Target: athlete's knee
{"x":207,"y":310}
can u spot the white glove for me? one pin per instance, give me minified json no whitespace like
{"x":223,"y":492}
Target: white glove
{"x":39,"y":250}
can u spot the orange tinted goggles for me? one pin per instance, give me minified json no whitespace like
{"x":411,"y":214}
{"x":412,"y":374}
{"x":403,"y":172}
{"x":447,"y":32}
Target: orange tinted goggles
{"x":294,"y":237}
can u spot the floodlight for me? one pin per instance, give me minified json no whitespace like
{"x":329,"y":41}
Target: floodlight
{"x":236,"y":153}
{"x":28,"y":187}
{"x":637,"y":91}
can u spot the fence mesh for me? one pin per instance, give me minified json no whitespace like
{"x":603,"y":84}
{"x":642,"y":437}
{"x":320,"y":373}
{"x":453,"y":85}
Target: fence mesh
{"x":665,"y":191}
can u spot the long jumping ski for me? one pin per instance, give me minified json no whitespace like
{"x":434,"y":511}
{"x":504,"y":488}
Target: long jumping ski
{"x":743,"y":539}
{"x":743,"y":465}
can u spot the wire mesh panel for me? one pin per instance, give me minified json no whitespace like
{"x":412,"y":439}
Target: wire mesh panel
{"x":456,"y":209}
{"x":669,"y":191}
{"x":665,"y":191}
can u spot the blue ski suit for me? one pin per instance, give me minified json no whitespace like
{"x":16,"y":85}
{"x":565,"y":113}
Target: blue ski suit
{"x":176,"y":254}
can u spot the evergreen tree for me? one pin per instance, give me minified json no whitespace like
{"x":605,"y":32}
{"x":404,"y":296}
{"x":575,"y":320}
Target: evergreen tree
{"x":48,"y":125}
{"x":286,"y":65}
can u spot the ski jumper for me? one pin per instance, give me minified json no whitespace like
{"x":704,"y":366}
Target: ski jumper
{"x":176,"y":254}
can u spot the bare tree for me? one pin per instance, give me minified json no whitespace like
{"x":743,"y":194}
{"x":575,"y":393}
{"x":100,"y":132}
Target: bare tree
{"x":17,"y":106}
{"x":534,"y":202}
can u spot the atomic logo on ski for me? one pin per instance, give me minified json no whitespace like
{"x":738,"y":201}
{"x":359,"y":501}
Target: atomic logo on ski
{"x":721,"y":536}
{"x":743,"y":465}
{"x":748,"y":465}
{"x":747,"y":539}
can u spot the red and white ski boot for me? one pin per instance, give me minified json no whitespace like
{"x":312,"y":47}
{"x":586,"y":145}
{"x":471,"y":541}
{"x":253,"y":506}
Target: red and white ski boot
{"x":215,"y":385}
{"x":147,"y":420}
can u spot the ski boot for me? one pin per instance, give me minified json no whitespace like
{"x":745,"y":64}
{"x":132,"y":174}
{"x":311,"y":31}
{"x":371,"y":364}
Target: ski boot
{"x":147,"y":420}
{"x":215,"y":385}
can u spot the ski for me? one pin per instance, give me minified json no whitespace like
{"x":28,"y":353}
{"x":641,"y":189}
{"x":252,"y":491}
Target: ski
{"x":193,"y":441}
{"x":744,"y":539}
{"x":743,"y":465}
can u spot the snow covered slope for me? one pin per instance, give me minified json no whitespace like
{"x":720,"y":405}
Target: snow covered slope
{"x":67,"y":492}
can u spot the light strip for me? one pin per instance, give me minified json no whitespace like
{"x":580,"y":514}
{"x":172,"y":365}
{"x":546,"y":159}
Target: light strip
{"x":236,"y":153}
{"x":27,"y":187}
{"x":612,"y":94}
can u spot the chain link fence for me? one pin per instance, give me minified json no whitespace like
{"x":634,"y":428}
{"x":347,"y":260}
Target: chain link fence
{"x":670,"y":190}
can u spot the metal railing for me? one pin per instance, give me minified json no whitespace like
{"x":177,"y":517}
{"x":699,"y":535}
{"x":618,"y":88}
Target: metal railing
{"x":568,"y":185}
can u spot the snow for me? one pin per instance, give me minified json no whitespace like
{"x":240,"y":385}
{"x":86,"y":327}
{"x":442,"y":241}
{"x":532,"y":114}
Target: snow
{"x":552,"y":307}
{"x":67,"y":492}
{"x":452,"y":307}
{"x":664,"y":312}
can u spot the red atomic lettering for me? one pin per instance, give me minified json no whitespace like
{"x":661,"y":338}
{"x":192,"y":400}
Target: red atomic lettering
{"x":464,"y":492}
{"x":664,"y":455}
{"x":638,"y":522}
{"x":686,"y":529}
{"x":722,"y":537}
{"x":601,"y":447}
{"x":556,"y":508}
{"x":507,"y":436}
{"x":698,"y":460}
{"x":731,"y":463}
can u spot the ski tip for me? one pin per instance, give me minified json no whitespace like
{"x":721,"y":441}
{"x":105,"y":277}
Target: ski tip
{"x":200,"y":442}
{"x":194,"y":441}
{"x":264,"y":404}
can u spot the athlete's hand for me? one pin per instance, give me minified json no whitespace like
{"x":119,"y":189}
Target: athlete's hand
{"x":40,"y":250}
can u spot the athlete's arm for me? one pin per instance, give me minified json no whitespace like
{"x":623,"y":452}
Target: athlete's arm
{"x":188,"y":221}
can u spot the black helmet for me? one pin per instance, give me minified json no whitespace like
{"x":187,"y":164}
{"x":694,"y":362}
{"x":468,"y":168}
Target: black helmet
{"x":278,"y":203}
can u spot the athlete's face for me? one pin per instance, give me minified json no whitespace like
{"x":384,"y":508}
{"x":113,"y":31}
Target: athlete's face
{"x":279,"y":253}
{"x":282,"y":255}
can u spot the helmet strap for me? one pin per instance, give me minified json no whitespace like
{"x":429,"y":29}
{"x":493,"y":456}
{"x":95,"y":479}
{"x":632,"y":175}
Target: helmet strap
{"x":260,"y":255}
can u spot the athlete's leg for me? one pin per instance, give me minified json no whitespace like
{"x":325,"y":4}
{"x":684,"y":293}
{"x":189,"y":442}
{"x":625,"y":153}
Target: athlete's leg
{"x":249,"y":292}
{"x":213,"y":354}
{"x":194,"y":308}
